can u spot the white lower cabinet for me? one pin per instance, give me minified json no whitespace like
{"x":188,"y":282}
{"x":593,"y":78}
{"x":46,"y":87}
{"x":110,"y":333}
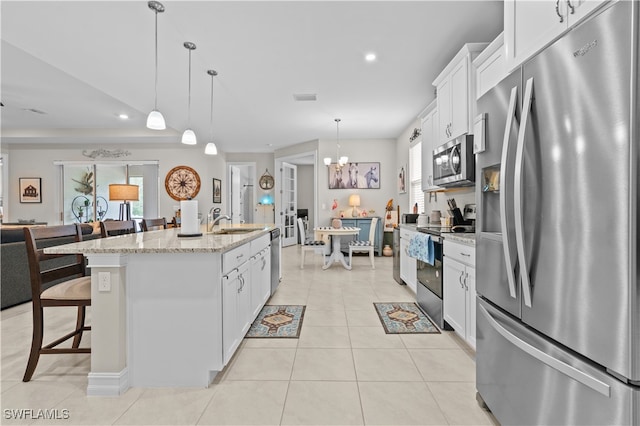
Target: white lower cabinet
{"x":459,"y":290}
{"x":236,"y":305}
{"x":408,"y":265}
{"x":246,"y":286}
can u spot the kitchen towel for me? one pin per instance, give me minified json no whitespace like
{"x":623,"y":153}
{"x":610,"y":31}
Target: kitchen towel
{"x":189,"y":214}
{"x":421,"y":248}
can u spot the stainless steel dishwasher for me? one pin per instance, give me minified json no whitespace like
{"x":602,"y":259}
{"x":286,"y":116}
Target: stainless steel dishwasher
{"x":275,"y":259}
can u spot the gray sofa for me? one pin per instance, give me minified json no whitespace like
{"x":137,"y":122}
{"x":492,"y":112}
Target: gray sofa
{"x":15,"y":285}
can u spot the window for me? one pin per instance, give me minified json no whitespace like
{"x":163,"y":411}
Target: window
{"x":137,"y":210}
{"x":416,"y":196}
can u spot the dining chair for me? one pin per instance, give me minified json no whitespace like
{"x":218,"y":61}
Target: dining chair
{"x":110,"y":228}
{"x":152,"y":224}
{"x":308,"y":245}
{"x":56,"y":280}
{"x":360,"y":246}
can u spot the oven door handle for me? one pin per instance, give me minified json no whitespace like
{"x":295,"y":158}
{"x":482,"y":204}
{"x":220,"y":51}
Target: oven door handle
{"x":508,"y":250}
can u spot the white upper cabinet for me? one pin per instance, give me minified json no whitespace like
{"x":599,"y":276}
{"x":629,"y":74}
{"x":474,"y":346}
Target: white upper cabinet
{"x":530,"y":25}
{"x":490,"y":66}
{"x":429,"y":120}
{"x":455,"y":88}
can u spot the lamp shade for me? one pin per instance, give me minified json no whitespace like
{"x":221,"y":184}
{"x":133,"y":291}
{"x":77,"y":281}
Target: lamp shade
{"x":155,"y":121}
{"x":354,"y":200}
{"x":123,"y":192}
{"x":211,"y":149}
{"x":189,"y":137}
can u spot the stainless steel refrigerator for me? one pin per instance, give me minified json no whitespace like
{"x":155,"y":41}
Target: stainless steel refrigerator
{"x":558,"y":300}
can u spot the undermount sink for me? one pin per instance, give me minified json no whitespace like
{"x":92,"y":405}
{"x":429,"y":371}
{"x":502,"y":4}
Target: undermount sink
{"x":236,"y":230}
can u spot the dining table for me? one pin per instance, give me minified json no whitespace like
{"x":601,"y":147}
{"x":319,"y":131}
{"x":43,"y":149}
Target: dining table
{"x":336,"y":236}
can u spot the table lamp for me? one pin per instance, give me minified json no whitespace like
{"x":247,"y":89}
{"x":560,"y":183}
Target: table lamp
{"x":125,"y":193}
{"x":354,"y":201}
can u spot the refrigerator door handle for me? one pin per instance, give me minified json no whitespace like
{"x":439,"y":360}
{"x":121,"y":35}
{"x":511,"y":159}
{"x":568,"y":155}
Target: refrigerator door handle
{"x":517,"y":195}
{"x":509,"y":258}
{"x":543,"y":357}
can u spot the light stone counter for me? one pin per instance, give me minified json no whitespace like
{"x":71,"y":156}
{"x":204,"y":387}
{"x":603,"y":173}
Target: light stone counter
{"x":159,"y":302}
{"x":166,"y":241}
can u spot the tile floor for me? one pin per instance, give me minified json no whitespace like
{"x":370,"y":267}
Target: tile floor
{"x":342,"y":370}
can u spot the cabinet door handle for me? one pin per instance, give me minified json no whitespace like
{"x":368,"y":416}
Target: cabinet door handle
{"x":460,"y":279}
{"x":571,"y":8}
{"x":465,"y":254}
{"x":466,"y":275}
{"x":558,"y":11}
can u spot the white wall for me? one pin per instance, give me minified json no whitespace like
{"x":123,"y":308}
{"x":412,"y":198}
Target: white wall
{"x":38,"y":162}
{"x":362,"y":151}
{"x":402,"y":160}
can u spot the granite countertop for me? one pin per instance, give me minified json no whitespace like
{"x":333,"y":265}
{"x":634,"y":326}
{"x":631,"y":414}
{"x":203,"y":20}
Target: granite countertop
{"x":458,"y":237}
{"x":166,"y":241}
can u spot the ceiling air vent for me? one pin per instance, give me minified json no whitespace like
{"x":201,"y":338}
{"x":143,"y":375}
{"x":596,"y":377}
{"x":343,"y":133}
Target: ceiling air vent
{"x":299,"y":97}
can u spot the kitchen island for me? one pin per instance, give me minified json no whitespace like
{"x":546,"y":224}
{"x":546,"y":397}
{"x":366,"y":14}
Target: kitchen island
{"x":171,"y":311}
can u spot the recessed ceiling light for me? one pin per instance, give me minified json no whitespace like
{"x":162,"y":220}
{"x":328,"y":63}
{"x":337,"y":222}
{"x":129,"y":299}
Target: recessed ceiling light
{"x":370,"y":57}
{"x":123,"y":116}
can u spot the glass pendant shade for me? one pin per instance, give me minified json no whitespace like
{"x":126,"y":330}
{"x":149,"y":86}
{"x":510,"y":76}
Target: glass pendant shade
{"x":343,"y":160}
{"x":211,"y":149}
{"x":327,"y":161}
{"x":189,"y":137}
{"x":155,"y":121}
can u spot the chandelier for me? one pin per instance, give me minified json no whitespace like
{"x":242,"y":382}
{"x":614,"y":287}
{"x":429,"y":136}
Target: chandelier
{"x":340,"y":161}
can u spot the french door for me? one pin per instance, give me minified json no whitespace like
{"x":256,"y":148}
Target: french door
{"x":289,"y":204}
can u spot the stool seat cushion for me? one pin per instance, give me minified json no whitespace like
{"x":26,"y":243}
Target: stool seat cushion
{"x":314,"y":243}
{"x":360,"y":243}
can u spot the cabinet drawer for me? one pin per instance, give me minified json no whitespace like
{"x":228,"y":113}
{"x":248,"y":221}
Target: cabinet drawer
{"x":235,"y":257}
{"x":460,"y":252}
{"x":405,"y":233}
{"x":260,"y":243}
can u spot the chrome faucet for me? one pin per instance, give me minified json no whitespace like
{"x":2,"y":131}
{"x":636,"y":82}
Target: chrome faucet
{"x":216,"y":220}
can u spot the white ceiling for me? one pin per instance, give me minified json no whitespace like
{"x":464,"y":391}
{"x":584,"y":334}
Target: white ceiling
{"x":84,"y":62}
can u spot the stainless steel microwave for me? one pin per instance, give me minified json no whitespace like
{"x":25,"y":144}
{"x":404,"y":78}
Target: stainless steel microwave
{"x":454,"y":163}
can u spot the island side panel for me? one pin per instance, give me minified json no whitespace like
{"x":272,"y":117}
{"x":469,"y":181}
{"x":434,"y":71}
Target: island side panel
{"x":174,"y":307}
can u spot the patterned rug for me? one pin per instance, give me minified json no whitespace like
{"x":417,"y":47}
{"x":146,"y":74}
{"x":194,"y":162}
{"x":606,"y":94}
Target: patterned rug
{"x":404,"y":318}
{"x":278,"y":321}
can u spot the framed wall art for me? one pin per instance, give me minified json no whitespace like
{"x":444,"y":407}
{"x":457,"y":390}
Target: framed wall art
{"x":217,"y":191}
{"x":402,"y":180}
{"x":354,"y":175}
{"x":30,"y":190}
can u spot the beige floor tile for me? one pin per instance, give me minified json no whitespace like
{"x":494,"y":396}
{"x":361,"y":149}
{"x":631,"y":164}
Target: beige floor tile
{"x":363,"y":318}
{"x":270,"y":342}
{"x":164,"y":406}
{"x":399,"y":403}
{"x":444,"y":365}
{"x":443,"y":340}
{"x":458,"y":402}
{"x":385,"y":365}
{"x":326,"y":301}
{"x":324,"y":337}
{"x":322,"y":403}
{"x":246,"y":403}
{"x":373,"y":337}
{"x":88,"y":410}
{"x":323,"y":364}
{"x":35,"y":395}
{"x":262,"y":364}
{"x":322,"y":318}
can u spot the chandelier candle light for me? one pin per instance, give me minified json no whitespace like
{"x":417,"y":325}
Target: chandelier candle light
{"x":189,"y":137}
{"x":125,"y":193}
{"x":341,"y":161}
{"x":211,"y":148}
{"x":155,"y":120}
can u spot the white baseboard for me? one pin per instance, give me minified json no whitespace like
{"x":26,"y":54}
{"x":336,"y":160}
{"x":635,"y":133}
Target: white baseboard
{"x":108,"y":384}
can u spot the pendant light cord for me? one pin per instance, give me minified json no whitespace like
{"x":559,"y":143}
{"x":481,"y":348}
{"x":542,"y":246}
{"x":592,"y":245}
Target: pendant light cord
{"x":211,"y":119}
{"x":189,"y":104}
{"x":155,"y":105}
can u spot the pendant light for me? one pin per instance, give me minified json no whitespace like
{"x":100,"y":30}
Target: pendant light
{"x":341,"y":161}
{"x":189,"y":137}
{"x":155,"y":120}
{"x":211,"y":148}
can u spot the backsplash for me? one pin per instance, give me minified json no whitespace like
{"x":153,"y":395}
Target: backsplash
{"x":462,"y":196}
